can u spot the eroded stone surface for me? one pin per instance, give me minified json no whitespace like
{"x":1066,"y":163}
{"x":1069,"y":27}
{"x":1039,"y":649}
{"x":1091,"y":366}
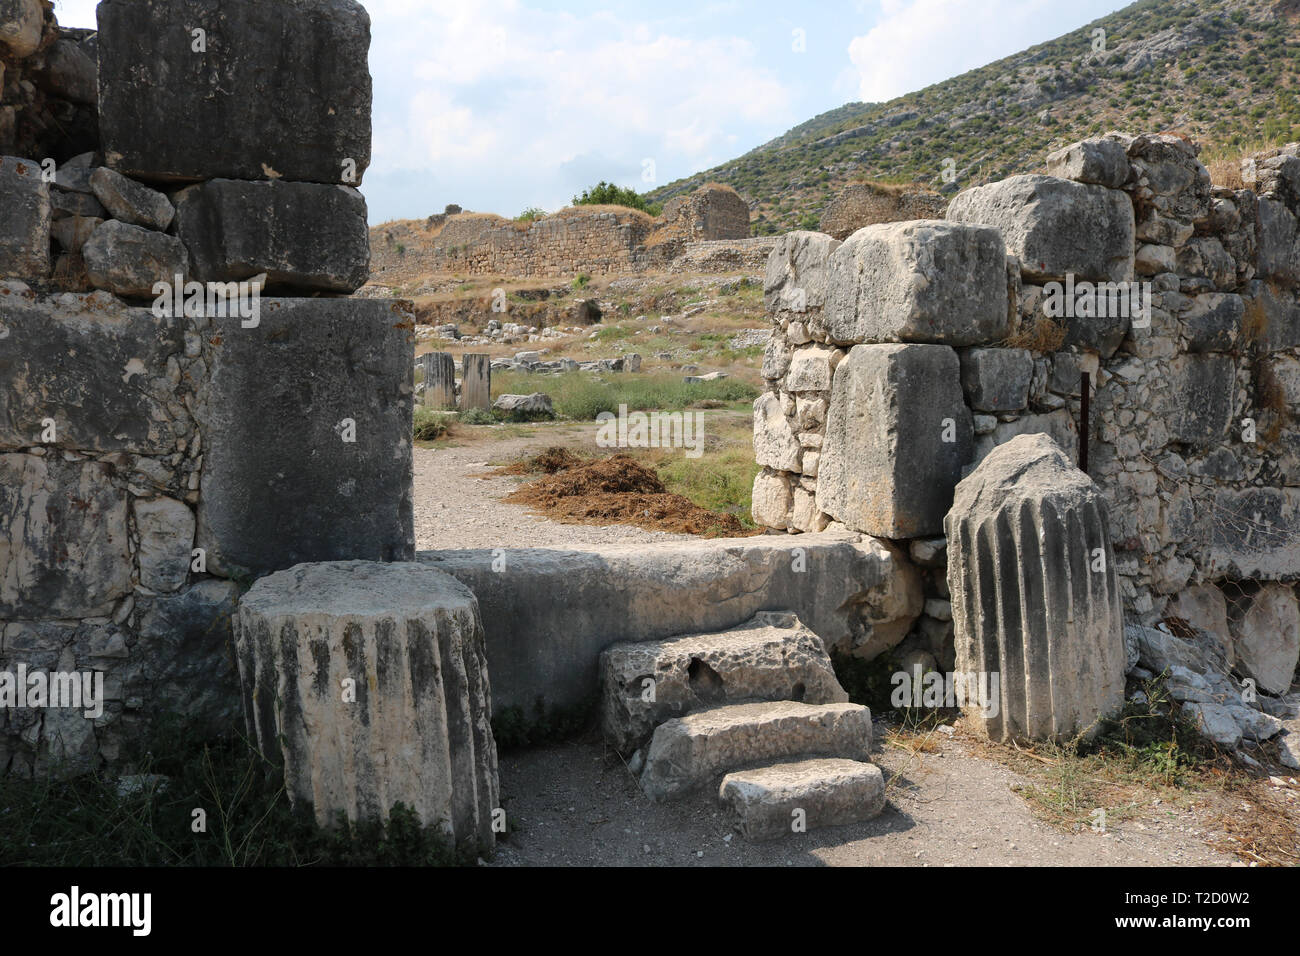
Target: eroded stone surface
{"x":764,"y":803}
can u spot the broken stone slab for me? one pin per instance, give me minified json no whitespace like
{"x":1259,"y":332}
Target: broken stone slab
{"x":997,"y":380}
{"x":306,"y":236}
{"x":924,"y":281}
{"x":1265,"y":629}
{"x":860,"y":596}
{"x":94,"y":365}
{"x":165,"y":528}
{"x":775,"y":443}
{"x":369,"y":683}
{"x":1035,"y":593}
{"x":306,"y":423}
{"x":129,"y":260}
{"x":897,"y":436}
{"x":131,"y":202}
{"x":687,"y":752}
{"x":1101,"y":162}
{"x":767,"y":803}
{"x":537,"y":403}
{"x":1214,"y":722}
{"x":66,"y":552}
{"x":1055,"y":227}
{"x":1204,"y":607}
{"x":281,"y":90}
{"x":772,"y":499}
{"x":64,"y":204}
{"x":1289,"y":745}
{"x":24,"y":220}
{"x":773,"y":656}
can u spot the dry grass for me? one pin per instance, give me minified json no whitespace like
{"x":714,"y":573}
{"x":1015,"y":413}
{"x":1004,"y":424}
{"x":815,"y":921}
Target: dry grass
{"x":881,"y":188}
{"x":1043,"y":336}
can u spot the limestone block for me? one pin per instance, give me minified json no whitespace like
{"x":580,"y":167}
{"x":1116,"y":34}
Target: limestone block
{"x":407,"y":642}
{"x":922,"y":281}
{"x":1035,"y":594}
{"x":1278,"y":236}
{"x":775,"y":444}
{"x":1201,"y":389}
{"x":282,"y":90}
{"x":94,"y":366}
{"x":762,"y":802}
{"x":1058,"y":424}
{"x":307,"y":236}
{"x":804,"y":513}
{"x":1250,"y":533}
{"x":897,"y":436}
{"x":71,"y":232}
{"x":1205,"y":608}
{"x":687,"y":752}
{"x":772,"y":656}
{"x":811,"y":368}
{"x":797,"y":274}
{"x":1213,"y":322}
{"x":21,"y":22}
{"x":996,"y":380}
{"x":64,"y":553}
{"x":1055,"y":227}
{"x":129,"y":260}
{"x":131,"y":202}
{"x":306,"y":422}
{"x":24,"y":220}
{"x":69,"y":71}
{"x":776,"y":356}
{"x":771,"y":499}
{"x":165,"y":527}
{"x":1103,"y":162}
{"x":1266,"y":634}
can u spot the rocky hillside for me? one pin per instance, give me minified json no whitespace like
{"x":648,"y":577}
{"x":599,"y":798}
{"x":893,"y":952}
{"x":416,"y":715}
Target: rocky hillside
{"x":1225,"y":72}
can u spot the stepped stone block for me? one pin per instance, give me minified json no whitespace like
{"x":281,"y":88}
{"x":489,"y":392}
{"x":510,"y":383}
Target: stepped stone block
{"x":763,"y":802}
{"x":773,"y":656}
{"x":1035,"y":595}
{"x":687,"y":752}
{"x":924,"y":281}
{"x":897,"y":436}
{"x":24,"y":220}
{"x":306,"y":236}
{"x":369,"y":683}
{"x":307,"y":435}
{"x":1055,"y":227}
{"x":278,"y":90}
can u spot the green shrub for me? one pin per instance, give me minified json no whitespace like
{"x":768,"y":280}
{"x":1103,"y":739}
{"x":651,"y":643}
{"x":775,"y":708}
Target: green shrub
{"x":581,"y":396}
{"x":477,"y":416}
{"x":430,"y":425}
{"x":607,"y":194}
{"x":531,"y":214}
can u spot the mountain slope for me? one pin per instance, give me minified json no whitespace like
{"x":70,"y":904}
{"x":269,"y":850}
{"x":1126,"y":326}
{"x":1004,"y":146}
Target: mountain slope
{"x":1225,"y":72}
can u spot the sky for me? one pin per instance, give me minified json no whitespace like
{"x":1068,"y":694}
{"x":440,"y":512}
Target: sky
{"x":502,"y":105}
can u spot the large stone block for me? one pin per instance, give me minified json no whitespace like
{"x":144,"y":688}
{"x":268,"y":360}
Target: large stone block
{"x":1035,"y":594}
{"x":98,"y":368}
{"x":797,"y":276}
{"x":281,"y":90}
{"x":306,"y":422}
{"x":997,"y":380}
{"x":1250,"y":533}
{"x":1056,"y":227}
{"x":21,"y":24}
{"x":1266,"y":636}
{"x":165,"y":528}
{"x":773,"y":656}
{"x":24,"y":220}
{"x":416,"y":728}
{"x":1103,"y":162}
{"x":1278,"y":237}
{"x":828,"y":791}
{"x":544,"y":642}
{"x":306,"y":236}
{"x":64,"y":552}
{"x":1201,"y":389}
{"x":922,"y":281}
{"x":897,"y":436}
{"x":131,"y":260}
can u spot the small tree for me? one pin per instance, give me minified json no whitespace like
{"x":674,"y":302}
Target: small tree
{"x":607,"y":194}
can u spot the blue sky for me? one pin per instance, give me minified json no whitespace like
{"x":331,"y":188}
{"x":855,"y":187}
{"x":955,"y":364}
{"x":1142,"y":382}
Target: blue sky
{"x":503,"y":104}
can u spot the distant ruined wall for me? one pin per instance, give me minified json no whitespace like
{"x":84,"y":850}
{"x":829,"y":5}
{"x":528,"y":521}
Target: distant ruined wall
{"x":155,"y":459}
{"x":592,"y":240}
{"x":865,"y":204}
{"x":1194,"y":424}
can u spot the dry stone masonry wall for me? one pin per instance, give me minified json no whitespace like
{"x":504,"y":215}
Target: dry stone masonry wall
{"x":902,"y":356}
{"x":162,"y":443}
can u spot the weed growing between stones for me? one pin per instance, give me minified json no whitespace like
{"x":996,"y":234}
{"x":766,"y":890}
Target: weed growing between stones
{"x":431,"y":425}
{"x":148,"y":818}
{"x":515,"y":729}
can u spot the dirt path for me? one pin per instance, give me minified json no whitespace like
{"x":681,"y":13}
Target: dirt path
{"x":455,"y":507}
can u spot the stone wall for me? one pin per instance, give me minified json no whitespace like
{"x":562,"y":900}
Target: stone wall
{"x":162,"y":444}
{"x":902,"y":356}
{"x":865,"y":204}
{"x":592,"y":240}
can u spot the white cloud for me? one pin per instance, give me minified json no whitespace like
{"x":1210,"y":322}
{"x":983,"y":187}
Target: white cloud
{"x":919,"y":42}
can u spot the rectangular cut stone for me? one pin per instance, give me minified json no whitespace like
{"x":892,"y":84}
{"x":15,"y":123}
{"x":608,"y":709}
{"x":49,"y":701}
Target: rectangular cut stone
{"x":306,"y":236}
{"x":771,"y":657}
{"x":1250,"y":533}
{"x":439,"y":379}
{"x":997,"y":380}
{"x":687,"y":752}
{"x":279,"y":90}
{"x":897,"y":437}
{"x":24,"y":220}
{"x":764,"y":803}
{"x":306,"y":423}
{"x":96,"y":367}
{"x":1201,"y":389}
{"x":797,"y":273}
{"x":1056,"y":227}
{"x":476,"y":382}
{"x":921,"y":281}
{"x":64,"y":551}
